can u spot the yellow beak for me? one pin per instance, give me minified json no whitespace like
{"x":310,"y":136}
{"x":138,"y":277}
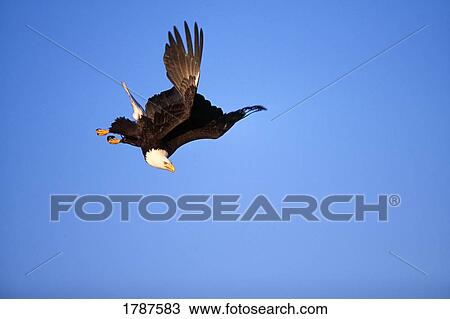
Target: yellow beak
{"x":170,"y":167}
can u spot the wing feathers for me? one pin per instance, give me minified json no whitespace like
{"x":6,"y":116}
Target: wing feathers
{"x":197,"y":47}
{"x":201,"y":47}
{"x":179,"y":41}
{"x":183,"y":70}
{"x":188,"y":39}
{"x":183,"y":63}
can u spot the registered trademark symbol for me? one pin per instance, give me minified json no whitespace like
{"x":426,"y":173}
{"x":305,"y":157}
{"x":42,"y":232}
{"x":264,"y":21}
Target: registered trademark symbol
{"x":394,"y":200}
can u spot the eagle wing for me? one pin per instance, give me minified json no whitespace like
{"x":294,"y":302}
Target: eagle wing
{"x":206,"y":122}
{"x":183,"y":70}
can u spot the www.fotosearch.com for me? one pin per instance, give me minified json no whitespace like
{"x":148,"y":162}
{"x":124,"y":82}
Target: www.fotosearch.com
{"x":223,"y":207}
{"x":173,"y":308}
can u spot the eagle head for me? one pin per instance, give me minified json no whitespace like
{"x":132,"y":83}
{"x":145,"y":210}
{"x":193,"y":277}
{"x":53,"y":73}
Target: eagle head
{"x":158,"y":158}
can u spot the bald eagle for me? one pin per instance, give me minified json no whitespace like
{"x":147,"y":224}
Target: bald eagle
{"x":176,"y":116}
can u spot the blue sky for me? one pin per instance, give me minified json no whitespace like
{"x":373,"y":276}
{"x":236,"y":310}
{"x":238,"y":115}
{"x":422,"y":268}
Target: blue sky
{"x":382,"y":129}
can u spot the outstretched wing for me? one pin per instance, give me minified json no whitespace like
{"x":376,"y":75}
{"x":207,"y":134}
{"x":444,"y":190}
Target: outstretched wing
{"x":183,"y":69}
{"x":206,"y":122}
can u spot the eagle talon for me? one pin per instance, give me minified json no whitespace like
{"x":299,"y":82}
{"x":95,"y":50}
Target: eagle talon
{"x":113,"y":140}
{"x":101,"y":132}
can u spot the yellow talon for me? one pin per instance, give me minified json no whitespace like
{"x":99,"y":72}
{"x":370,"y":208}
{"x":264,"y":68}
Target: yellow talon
{"x":101,"y":132}
{"x":113,"y":140}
